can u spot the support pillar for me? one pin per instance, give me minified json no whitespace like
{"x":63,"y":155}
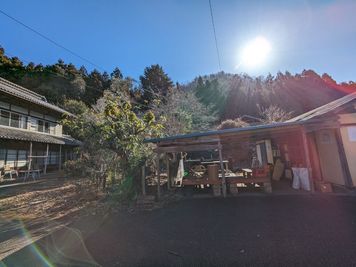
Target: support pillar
{"x":143,"y":179}
{"x":158,"y":178}
{"x":60,"y":158}
{"x":30,"y":157}
{"x":223,"y":180}
{"x":168,"y":174}
{"x":46,"y":160}
{"x":307,"y":159}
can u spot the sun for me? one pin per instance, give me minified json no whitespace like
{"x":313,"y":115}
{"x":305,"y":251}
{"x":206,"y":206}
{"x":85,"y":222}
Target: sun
{"x":255,"y":53}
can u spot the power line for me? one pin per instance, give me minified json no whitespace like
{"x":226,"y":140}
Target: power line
{"x":216,"y":41}
{"x":50,"y":40}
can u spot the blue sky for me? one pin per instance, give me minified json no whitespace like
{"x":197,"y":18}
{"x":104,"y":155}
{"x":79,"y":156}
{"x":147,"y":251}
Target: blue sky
{"x":177,"y":34}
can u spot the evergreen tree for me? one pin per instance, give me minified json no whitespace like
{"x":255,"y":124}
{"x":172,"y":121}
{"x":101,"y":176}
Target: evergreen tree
{"x":155,"y":83}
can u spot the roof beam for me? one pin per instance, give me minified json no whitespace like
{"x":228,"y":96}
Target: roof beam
{"x":185,"y":148}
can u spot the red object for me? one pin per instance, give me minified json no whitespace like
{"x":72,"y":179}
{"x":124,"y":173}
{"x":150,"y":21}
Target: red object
{"x":260,"y":172}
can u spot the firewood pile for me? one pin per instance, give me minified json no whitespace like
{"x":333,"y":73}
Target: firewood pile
{"x":152,"y":180}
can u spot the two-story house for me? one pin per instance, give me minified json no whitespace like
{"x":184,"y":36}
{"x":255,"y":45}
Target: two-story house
{"x":30,"y":130}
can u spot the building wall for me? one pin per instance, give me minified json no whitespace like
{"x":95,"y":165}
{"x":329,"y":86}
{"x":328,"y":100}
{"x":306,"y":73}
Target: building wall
{"x":348,"y":135}
{"x":349,"y":144}
{"x":30,"y":118}
{"x":238,"y":154}
{"x":329,"y":156}
{"x":290,"y":145}
{"x":287,"y":145}
{"x":15,"y":154}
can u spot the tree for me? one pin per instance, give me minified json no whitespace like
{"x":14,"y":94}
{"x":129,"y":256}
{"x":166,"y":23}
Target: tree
{"x":182,"y":113}
{"x":94,"y":87}
{"x":122,"y":88}
{"x":75,"y":107}
{"x":155,"y":83}
{"x":112,"y":136}
{"x":116,"y":74}
{"x":274,"y":114}
{"x":209,"y":93}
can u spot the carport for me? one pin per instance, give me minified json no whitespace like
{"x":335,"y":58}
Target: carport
{"x":287,"y":141}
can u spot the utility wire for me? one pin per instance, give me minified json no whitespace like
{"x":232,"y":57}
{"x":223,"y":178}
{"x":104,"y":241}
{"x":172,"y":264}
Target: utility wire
{"x":216,"y":41}
{"x":50,"y":40}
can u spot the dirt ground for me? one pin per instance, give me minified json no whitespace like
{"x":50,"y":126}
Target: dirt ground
{"x":274,"y":230}
{"x":40,"y":208}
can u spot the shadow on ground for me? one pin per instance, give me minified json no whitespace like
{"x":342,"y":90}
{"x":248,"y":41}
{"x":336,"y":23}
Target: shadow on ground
{"x":302,"y":230}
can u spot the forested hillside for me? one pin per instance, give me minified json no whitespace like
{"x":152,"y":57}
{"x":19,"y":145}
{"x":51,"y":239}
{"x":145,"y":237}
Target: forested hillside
{"x":215,"y":97}
{"x":233,"y":95}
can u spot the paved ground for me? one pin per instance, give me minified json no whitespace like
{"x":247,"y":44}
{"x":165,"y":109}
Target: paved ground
{"x":272,"y":230}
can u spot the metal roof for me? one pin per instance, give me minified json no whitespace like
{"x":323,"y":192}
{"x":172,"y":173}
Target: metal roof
{"x":225,"y":131}
{"x":25,"y":135}
{"x":299,"y":120}
{"x":324,"y":109}
{"x":28,"y":95}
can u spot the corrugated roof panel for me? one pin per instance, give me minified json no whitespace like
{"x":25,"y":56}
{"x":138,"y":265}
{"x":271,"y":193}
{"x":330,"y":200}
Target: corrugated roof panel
{"x":294,"y":121}
{"x":324,"y":109}
{"x":225,"y":131}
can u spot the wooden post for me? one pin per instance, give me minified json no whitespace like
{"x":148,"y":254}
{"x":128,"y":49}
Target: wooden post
{"x":223,"y":181}
{"x":143,"y":179}
{"x":30,"y":157}
{"x":60,"y":158}
{"x":343,"y":159}
{"x":65,"y":155}
{"x":307,"y":159}
{"x":158,"y":178}
{"x":168,"y":174}
{"x":46,"y":160}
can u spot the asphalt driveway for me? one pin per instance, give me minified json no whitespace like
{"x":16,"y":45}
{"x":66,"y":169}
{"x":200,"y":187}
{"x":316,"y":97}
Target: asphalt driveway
{"x":302,"y":230}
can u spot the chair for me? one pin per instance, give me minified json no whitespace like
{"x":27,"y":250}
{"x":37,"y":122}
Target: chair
{"x":10,"y":172}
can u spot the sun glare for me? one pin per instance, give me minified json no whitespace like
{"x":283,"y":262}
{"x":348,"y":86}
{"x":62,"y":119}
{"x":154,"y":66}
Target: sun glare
{"x":255,"y":53}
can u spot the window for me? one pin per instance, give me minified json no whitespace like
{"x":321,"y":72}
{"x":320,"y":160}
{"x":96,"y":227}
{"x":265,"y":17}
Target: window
{"x":40,"y":126}
{"x":15,"y":120}
{"x":33,"y":124}
{"x":46,"y":127}
{"x":43,"y":126}
{"x":53,"y":157}
{"x":23,"y":122}
{"x":11,"y":157}
{"x":52,"y":129}
{"x":4,"y":117}
{"x":22,"y":158}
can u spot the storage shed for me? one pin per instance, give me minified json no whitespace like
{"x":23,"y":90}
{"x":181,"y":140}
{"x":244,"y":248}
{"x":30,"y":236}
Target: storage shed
{"x":319,"y":146}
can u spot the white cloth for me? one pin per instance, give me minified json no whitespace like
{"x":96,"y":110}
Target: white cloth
{"x":180,"y":173}
{"x":301,"y":179}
